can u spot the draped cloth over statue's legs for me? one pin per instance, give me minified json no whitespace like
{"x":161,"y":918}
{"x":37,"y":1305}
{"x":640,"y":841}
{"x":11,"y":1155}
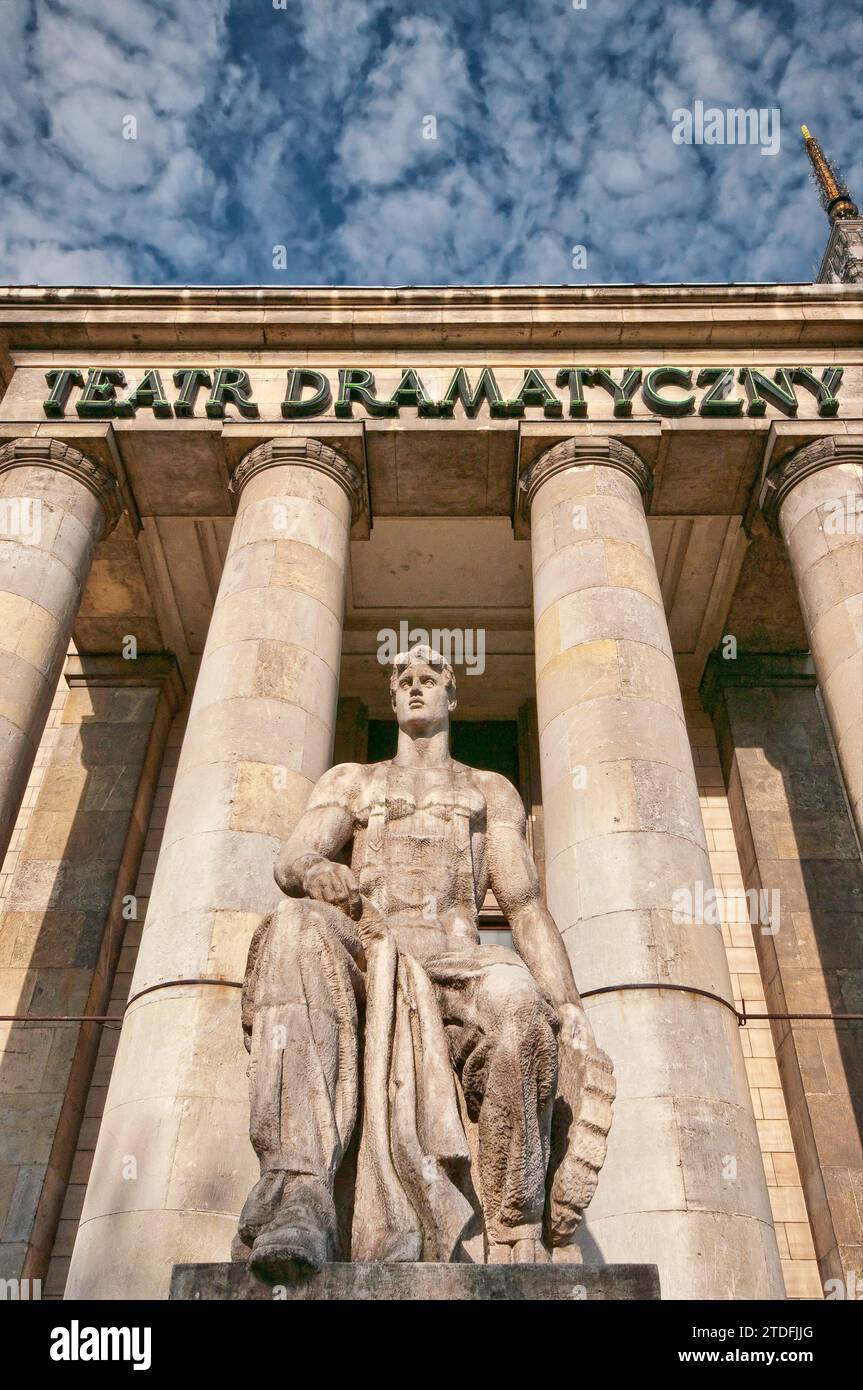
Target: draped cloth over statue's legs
{"x":476,"y":1010}
{"x":502,"y":1038}
{"x":301,"y":997}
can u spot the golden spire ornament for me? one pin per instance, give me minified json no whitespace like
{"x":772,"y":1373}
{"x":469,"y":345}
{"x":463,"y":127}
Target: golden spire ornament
{"x":832,"y":189}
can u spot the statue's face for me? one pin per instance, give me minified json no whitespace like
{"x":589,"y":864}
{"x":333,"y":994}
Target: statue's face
{"x":420,"y":699}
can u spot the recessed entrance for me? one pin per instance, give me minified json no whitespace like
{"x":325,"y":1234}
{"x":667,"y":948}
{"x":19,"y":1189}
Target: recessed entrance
{"x":490,"y":744}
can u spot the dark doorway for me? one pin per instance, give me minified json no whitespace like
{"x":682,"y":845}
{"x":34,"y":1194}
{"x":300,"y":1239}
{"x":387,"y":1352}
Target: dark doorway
{"x":490,"y":744}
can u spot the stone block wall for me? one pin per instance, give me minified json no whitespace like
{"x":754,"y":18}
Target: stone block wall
{"x":799,"y":1265}
{"x":796,"y":838}
{"x":77,"y":845}
{"x":71,"y":1212}
{"x":16,"y":1198}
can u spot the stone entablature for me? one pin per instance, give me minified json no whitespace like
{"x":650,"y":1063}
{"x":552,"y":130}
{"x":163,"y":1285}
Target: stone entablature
{"x":601,"y":317}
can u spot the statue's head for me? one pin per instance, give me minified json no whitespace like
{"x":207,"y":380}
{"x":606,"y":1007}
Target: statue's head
{"x":422,"y":688}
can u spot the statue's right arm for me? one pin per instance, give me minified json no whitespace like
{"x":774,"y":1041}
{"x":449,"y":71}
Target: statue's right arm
{"x":304,"y":867}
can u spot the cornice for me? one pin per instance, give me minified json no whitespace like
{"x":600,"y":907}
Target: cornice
{"x":185,"y":296}
{"x":94,"y":319}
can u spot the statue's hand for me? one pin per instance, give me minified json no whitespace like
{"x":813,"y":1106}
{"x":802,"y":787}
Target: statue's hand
{"x":580,"y":1124}
{"x":575,"y":1031}
{"x":335,"y":884}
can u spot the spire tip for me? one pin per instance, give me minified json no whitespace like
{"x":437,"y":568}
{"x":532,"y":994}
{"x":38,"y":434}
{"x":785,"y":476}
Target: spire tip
{"x":833,"y":191}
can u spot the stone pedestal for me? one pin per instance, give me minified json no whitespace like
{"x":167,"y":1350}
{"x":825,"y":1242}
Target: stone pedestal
{"x":626,"y":869}
{"x":173,"y":1162}
{"x":437,"y":1283}
{"x":56,"y":506}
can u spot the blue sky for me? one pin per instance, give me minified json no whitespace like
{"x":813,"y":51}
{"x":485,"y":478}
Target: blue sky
{"x":304,"y":124}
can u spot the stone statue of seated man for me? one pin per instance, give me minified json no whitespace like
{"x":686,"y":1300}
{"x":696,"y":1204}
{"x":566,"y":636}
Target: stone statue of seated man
{"x":368,"y":992}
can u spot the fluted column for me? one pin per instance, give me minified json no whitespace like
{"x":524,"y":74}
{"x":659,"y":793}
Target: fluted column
{"x":260,"y":733}
{"x":814,"y":498}
{"x":55,"y":507}
{"x":627,"y":871}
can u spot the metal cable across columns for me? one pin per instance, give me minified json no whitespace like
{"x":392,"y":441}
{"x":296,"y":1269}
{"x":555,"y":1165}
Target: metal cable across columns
{"x":259,"y":735}
{"x":814,"y":498}
{"x":683,"y":1184}
{"x":55,"y":506}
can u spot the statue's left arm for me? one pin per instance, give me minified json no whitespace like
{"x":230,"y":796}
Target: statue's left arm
{"x":515,"y":883}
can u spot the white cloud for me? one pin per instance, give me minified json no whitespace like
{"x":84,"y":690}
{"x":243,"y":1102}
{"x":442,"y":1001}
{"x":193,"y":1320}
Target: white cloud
{"x":421,"y":75}
{"x":304,"y":127}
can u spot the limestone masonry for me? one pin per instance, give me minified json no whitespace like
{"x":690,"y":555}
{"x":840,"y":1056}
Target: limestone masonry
{"x":631,"y":520}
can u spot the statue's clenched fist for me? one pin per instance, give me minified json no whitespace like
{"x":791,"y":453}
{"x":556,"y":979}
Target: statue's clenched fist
{"x":335,"y":884}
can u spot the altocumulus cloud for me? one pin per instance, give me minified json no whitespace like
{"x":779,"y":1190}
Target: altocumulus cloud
{"x":436,"y":143}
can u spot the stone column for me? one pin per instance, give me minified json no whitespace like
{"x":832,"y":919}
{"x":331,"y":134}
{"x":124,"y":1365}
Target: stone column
{"x":814,"y":498}
{"x":173,"y":1162}
{"x":628,"y":878}
{"x":55,"y":507}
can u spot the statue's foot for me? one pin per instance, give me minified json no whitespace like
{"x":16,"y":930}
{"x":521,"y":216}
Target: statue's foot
{"x":528,"y":1251}
{"x":302,"y":1237}
{"x":287,"y":1253}
{"x":261,"y":1206}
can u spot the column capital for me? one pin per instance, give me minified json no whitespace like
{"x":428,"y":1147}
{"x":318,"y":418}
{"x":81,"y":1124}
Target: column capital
{"x":581,"y":451}
{"x":823,"y":452}
{"x":43,"y":452}
{"x":307,"y":453}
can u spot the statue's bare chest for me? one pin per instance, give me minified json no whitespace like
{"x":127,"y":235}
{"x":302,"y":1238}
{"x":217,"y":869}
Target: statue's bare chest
{"x":422,"y":804}
{"x":419,"y":838}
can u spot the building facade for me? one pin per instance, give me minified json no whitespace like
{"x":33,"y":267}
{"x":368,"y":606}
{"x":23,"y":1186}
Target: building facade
{"x":633,"y":517}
